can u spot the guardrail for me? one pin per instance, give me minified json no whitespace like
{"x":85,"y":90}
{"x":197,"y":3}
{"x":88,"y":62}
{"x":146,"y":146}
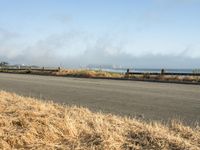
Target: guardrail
{"x":29,"y":69}
{"x":162,"y":72}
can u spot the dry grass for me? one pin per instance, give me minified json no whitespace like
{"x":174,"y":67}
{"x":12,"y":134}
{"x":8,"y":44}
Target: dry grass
{"x":70,"y":72}
{"x":89,"y":73}
{"x":166,"y":77}
{"x":104,"y":74}
{"x":27,"y":123}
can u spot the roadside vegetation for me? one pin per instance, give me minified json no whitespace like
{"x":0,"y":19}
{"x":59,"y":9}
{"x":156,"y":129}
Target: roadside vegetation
{"x":146,"y":76}
{"x":86,"y":73}
{"x":89,"y":73}
{"x":27,"y":123}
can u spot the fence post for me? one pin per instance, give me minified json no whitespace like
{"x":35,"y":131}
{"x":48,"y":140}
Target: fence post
{"x":162,"y":71}
{"x":127,"y":73}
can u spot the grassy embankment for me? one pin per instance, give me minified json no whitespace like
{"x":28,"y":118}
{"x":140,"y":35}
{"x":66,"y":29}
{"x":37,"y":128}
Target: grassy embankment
{"x":103,"y":74}
{"x":89,"y":73}
{"x":27,"y":123}
{"x":166,"y":77}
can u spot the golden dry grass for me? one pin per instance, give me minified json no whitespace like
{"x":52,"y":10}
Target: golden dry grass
{"x":166,"y":77}
{"x":89,"y":73}
{"x":105,"y":74}
{"x":70,"y":72}
{"x":27,"y":123}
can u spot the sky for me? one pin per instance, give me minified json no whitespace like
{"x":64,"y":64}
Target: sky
{"x":75,"y":33}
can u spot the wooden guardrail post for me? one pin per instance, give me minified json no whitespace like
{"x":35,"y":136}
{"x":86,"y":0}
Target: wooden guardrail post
{"x":162,"y":72}
{"x":127,"y":73}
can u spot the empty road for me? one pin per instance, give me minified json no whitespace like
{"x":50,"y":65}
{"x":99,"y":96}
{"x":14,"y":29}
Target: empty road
{"x":157,"y":101}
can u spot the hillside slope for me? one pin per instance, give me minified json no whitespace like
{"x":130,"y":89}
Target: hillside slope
{"x":27,"y":123}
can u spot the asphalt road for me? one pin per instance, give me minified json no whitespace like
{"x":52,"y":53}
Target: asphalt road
{"x":157,"y":101}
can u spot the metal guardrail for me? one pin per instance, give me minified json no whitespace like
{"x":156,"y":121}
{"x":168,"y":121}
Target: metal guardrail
{"x":162,"y":72}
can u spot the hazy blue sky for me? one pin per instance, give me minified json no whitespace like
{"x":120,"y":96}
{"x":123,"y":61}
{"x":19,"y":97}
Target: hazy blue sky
{"x":139,"y":33}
